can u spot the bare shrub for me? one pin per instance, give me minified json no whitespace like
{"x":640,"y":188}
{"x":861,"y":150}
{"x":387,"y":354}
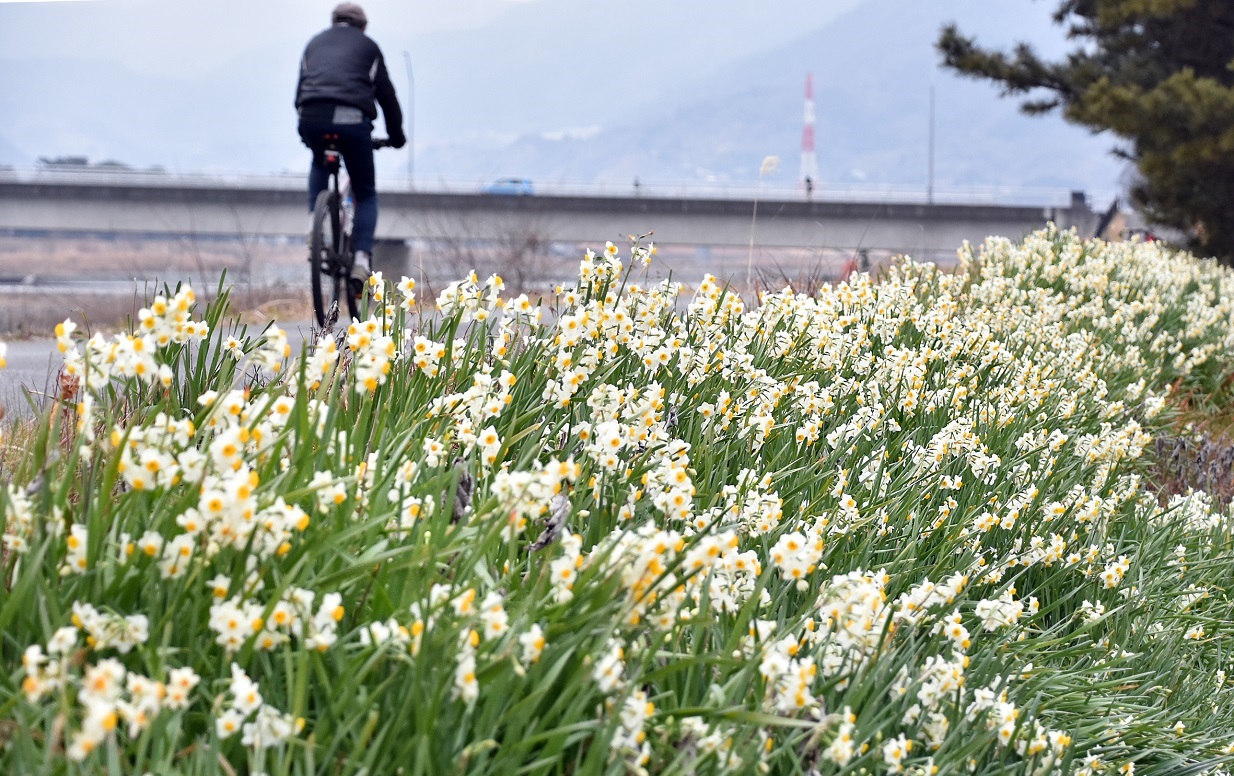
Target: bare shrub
{"x":517,"y":250}
{"x":35,"y":312}
{"x":1194,"y":462}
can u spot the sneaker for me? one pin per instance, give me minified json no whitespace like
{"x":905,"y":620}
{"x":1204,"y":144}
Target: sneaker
{"x":360,"y":268}
{"x":360,"y":272}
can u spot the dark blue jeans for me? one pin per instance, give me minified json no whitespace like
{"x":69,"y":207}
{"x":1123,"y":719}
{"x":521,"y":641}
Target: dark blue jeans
{"x":355,"y":142}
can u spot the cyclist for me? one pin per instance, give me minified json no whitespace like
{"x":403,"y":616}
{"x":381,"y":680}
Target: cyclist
{"x":342,"y":75}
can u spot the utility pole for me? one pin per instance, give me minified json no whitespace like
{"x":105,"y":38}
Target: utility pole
{"x":930,"y":175}
{"x":411,"y":122}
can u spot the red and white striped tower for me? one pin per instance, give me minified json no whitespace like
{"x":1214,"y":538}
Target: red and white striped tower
{"x":809,"y":160}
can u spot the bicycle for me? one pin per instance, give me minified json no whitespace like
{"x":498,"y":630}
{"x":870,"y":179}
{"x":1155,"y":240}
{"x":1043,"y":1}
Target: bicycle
{"x":331,"y":254}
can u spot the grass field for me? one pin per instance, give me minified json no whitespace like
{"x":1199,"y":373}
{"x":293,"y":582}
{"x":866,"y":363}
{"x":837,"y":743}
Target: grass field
{"x":915,"y":526}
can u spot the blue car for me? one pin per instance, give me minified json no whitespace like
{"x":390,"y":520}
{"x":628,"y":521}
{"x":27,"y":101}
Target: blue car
{"x":518,"y":187}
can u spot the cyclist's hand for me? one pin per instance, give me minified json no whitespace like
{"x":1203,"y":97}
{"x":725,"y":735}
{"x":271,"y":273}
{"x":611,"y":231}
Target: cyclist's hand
{"x":397,"y":140}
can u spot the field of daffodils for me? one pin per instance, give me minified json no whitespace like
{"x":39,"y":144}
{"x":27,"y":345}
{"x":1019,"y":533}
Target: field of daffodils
{"x":899,"y":526}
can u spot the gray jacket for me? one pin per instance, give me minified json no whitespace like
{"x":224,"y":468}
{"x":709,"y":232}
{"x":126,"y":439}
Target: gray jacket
{"x":343,"y":66}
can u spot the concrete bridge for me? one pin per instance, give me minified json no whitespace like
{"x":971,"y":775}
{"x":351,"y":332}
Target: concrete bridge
{"x":249,"y":208}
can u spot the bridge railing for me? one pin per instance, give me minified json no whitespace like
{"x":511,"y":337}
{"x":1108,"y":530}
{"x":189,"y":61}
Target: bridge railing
{"x":765,"y":191}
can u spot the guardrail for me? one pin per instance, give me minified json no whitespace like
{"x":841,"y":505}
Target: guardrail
{"x":766,"y":191}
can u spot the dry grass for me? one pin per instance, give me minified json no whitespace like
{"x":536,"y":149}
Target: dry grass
{"x":17,"y":437}
{"x":1199,"y":452}
{"x":34,"y":315}
{"x":261,"y":272}
{"x":1199,"y":462}
{"x":71,"y":257}
{"x":279,"y":304}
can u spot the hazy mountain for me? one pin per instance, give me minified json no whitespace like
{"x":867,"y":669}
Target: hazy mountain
{"x":105,"y":110}
{"x":548,"y":89}
{"x":872,"y":68}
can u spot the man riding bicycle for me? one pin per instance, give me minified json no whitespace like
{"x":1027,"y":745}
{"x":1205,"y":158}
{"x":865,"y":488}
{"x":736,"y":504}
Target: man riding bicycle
{"x":342,"y":75}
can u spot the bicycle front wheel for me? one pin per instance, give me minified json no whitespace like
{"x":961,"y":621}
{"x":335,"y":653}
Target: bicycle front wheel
{"x":326,"y":262}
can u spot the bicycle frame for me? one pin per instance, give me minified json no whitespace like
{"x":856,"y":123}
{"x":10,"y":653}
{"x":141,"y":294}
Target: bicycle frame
{"x":330,"y":252}
{"x":340,"y":181}
{"x":347,"y":203}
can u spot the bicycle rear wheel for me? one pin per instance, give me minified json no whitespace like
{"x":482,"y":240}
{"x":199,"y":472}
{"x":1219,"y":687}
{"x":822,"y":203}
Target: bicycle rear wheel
{"x":329,"y":267}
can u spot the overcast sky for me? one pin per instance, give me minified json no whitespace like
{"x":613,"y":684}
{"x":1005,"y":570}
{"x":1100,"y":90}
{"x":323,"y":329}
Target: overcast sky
{"x":154,"y":36}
